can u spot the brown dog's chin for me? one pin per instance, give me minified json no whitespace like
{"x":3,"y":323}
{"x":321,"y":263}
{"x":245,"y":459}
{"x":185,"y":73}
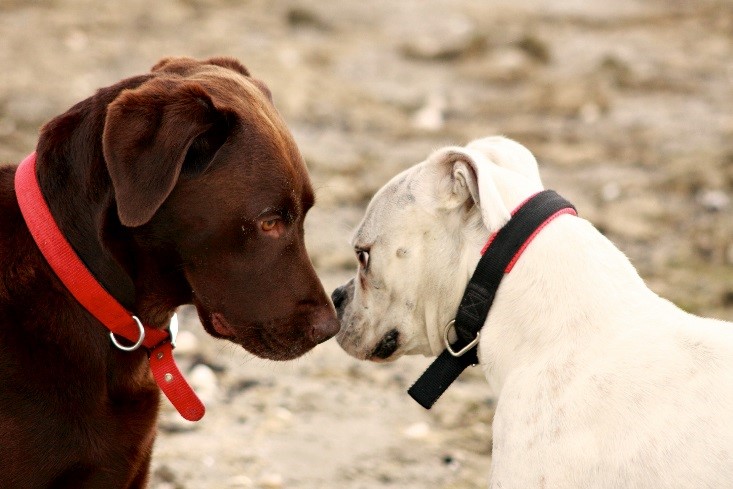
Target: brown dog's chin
{"x":275,"y":340}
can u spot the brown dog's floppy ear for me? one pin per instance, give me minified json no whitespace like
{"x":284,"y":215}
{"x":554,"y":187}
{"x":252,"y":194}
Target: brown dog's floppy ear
{"x":150,"y":133}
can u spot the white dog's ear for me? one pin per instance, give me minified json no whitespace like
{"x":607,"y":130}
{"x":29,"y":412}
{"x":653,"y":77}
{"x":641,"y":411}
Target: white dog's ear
{"x":472,"y":177}
{"x":509,"y":154}
{"x":496,"y":173}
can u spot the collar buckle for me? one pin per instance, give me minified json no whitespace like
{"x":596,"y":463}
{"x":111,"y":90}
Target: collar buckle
{"x":463,"y":350}
{"x":173,"y":329}
{"x":137,"y":344}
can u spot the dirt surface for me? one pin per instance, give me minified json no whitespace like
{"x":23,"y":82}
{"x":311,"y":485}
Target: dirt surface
{"x":628,"y":106}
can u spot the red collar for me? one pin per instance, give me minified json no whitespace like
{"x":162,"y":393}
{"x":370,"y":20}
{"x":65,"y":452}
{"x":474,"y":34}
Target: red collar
{"x":84,"y":287}
{"x":566,"y":210}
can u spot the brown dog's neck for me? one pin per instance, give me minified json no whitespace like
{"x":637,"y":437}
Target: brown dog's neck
{"x":82,"y":214}
{"x":76,"y":185}
{"x":31,"y":295}
{"x":17,"y":272}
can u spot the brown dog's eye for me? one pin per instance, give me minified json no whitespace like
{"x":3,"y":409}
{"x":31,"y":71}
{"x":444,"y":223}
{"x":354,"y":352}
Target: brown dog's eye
{"x":272,"y":227}
{"x":269,"y":225}
{"x":363,"y":257}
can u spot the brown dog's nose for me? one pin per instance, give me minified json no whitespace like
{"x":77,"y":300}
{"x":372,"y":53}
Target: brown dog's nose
{"x":325,"y":325}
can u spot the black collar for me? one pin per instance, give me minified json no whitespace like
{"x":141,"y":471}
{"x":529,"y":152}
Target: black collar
{"x":502,"y":251}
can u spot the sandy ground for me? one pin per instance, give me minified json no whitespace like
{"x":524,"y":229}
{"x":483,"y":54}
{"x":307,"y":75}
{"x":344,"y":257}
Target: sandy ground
{"x":627,"y":105}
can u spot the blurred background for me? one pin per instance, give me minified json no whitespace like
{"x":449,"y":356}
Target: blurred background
{"x":628,"y":106}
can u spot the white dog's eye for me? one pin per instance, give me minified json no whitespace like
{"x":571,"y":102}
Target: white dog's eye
{"x":363,"y":257}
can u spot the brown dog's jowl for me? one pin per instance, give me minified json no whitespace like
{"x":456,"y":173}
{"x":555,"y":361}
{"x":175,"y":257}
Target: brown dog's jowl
{"x":181,"y":186}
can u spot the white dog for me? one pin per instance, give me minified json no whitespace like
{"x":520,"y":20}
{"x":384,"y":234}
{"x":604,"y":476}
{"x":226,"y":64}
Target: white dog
{"x":599,"y":382}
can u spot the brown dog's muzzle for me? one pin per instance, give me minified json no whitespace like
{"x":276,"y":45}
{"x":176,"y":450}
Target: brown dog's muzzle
{"x":325,"y":325}
{"x":283,"y":338}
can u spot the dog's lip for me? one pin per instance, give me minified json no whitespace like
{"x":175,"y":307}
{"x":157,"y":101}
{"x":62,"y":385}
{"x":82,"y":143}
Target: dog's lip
{"x":263,"y":345}
{"x":221,"y":326}
{"x":387,"y":347}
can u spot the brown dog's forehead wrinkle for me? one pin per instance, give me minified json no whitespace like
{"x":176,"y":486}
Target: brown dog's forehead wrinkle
{"x":252,"y":180}
{"x":270,"y":170}
{"x":232,"y":89}
{"x":276,"y":180}
{"x":275,"y":128}
{"x":265,"y":129}
{"x":240,"y":93}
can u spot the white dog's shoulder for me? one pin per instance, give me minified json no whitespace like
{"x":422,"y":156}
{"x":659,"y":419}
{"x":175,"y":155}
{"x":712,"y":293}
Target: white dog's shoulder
{"x":639,"y":408}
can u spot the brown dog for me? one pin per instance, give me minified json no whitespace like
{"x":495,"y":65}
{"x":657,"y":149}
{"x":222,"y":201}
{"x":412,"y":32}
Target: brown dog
{"x":175,"y":187}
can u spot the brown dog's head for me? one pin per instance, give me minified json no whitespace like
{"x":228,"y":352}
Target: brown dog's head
{"x":209,"y":185}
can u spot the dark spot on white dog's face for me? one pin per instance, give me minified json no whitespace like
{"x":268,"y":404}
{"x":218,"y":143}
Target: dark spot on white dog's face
{"x":406,"y":199}
{"x":387,"y":346}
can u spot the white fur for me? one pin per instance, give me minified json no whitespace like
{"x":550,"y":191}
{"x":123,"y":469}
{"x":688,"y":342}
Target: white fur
{"x":599,"y":382}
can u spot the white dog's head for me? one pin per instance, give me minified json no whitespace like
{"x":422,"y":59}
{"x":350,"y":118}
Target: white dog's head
{"x":420,"y":241}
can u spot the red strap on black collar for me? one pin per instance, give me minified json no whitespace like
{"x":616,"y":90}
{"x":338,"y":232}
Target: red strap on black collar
{"x":89,"y":292}
{"x":501,"y":252}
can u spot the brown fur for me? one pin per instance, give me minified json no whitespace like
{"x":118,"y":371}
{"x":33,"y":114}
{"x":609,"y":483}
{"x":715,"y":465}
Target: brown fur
{"x":160,"y":183}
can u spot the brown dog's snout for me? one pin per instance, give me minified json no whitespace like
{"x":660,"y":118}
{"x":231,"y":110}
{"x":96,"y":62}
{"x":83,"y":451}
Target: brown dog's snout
{"x":324,"y":325}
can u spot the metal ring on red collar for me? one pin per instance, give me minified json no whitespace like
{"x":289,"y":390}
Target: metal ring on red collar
{"x":173,"y":329}
{"x":463,"y":350}
{"x":139,"y":341}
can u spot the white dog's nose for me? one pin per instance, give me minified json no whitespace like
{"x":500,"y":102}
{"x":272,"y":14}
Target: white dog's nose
{"x":340,"y":296}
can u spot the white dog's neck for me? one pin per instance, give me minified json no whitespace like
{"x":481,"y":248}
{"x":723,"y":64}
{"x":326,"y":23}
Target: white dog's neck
{"x":440,"y":312}
{"x":542,"y":305}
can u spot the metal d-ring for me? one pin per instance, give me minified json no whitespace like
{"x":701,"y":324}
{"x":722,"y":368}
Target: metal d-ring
{"x":139,"y":341}
{"x":463,"y":350}
{"x":173,"y":329}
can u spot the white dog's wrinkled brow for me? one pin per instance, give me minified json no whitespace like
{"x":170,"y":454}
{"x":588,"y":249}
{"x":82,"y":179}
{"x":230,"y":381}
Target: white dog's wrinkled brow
{"x":364,"y":236}
{"x":395,"y":194}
